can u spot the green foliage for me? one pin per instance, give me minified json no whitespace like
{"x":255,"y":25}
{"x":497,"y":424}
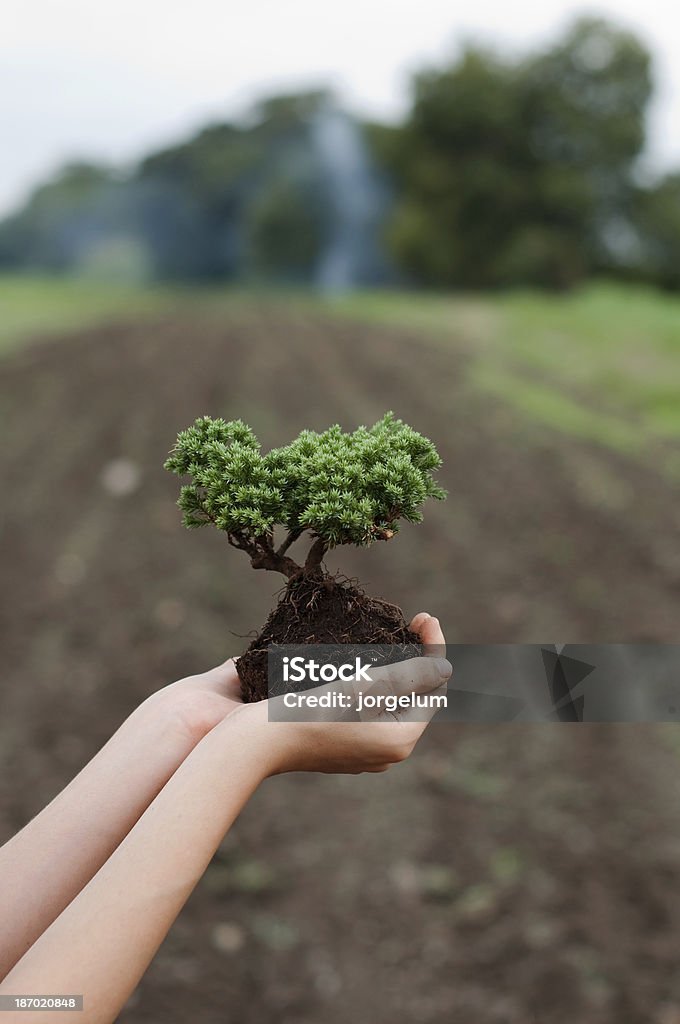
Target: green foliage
{"x":344,"y":488}
{"x":285,"y":233}
{"x":520,"y":171}
{"x":234,"y":201}
{"x":505,"y":171}
{"x":656,"y":223}
{"x":35,"y":306}
{"x":601,"y":363}
{"x":39,"y":235}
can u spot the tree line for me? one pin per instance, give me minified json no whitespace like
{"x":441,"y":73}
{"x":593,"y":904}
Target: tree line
{"x":504,"y":171}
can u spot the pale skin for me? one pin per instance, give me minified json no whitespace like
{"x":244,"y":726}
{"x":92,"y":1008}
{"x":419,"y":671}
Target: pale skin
{"x":91,"y":886}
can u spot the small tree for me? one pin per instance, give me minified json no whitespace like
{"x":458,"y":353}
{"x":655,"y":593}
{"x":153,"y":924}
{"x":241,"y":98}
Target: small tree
{"x":333,"y":487}
{"x":338,"y":488}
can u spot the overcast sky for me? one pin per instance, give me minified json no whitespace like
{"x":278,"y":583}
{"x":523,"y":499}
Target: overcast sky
{"x":107,"y":81}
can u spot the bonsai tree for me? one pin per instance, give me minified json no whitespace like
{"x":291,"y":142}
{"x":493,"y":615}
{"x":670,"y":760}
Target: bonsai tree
{"x":331,"y":488}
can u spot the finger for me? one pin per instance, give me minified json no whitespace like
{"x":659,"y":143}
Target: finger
{"x":422,"y":716}
{"x":416,"y":623}
{"x":393,"y":683}
{"x":416,"y":675}
{"x":223,"y":679}
{"x":430,"y":632}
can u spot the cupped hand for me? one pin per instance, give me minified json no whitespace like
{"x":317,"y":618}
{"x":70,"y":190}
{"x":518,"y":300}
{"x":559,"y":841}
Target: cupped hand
{"x":380,"y":739}
{"x":198,"y":703}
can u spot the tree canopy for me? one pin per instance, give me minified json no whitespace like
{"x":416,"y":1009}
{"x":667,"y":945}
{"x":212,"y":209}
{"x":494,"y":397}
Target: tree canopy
{"x":341,"y":488}
{"x":514,"y":171}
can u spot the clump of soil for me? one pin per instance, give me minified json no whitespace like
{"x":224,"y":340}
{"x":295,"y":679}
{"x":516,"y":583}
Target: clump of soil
{"x":323,"y":609}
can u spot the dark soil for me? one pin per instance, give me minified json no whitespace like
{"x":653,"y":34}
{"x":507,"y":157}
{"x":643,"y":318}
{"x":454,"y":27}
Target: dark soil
{"x":323,"y":609}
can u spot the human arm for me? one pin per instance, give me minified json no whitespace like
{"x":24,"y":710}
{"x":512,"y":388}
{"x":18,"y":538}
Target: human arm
{"x":49,"y":861}
{"x":103,"y":941}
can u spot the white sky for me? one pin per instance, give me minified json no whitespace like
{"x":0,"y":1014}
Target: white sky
{"x":80,"y":78}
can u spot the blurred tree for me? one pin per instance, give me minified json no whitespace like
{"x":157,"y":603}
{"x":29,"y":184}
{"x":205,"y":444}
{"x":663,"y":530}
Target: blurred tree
{"x":510,"y":172}
{"x":655,"y":217}
{"x":504,"y":172}
{"x":61,"y":219}
{"x":194,"y":194}
{"x":233,"y":190}
{"x":234,"y":200}
{"x":458,"y":162}
{"x":585,"y":107}
{"x":284,"y":232}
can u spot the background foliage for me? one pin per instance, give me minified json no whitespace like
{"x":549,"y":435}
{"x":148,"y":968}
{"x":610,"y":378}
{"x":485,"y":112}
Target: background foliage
{"x":503,"y":171}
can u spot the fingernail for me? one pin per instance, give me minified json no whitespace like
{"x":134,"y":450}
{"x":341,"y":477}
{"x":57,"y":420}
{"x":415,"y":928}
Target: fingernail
{"x":445,"y":667}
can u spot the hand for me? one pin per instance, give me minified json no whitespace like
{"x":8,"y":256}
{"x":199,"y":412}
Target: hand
{"x":405,"y":677}
{"x":365,"y":746}
{"x":198,"y":703}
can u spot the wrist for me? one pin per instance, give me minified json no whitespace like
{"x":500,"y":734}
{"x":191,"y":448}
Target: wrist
{"x":268,"y":743}
{"x":177,"y":713}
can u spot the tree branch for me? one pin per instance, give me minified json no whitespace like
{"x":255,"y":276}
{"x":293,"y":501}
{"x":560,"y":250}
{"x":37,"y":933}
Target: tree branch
{"x":290,"y":539}
{"x":263,"y":555}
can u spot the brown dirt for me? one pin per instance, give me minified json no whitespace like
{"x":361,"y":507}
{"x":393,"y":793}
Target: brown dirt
{"x":505,"y":874}
{"x":323,"y":610}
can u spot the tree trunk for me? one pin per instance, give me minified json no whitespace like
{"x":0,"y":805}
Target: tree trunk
{"x":315,"y":556}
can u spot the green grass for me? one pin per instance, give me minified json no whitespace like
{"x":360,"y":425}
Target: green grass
{"x":601,"y":364}
{"x":33,"y":307}
{"x":41,"y":306}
